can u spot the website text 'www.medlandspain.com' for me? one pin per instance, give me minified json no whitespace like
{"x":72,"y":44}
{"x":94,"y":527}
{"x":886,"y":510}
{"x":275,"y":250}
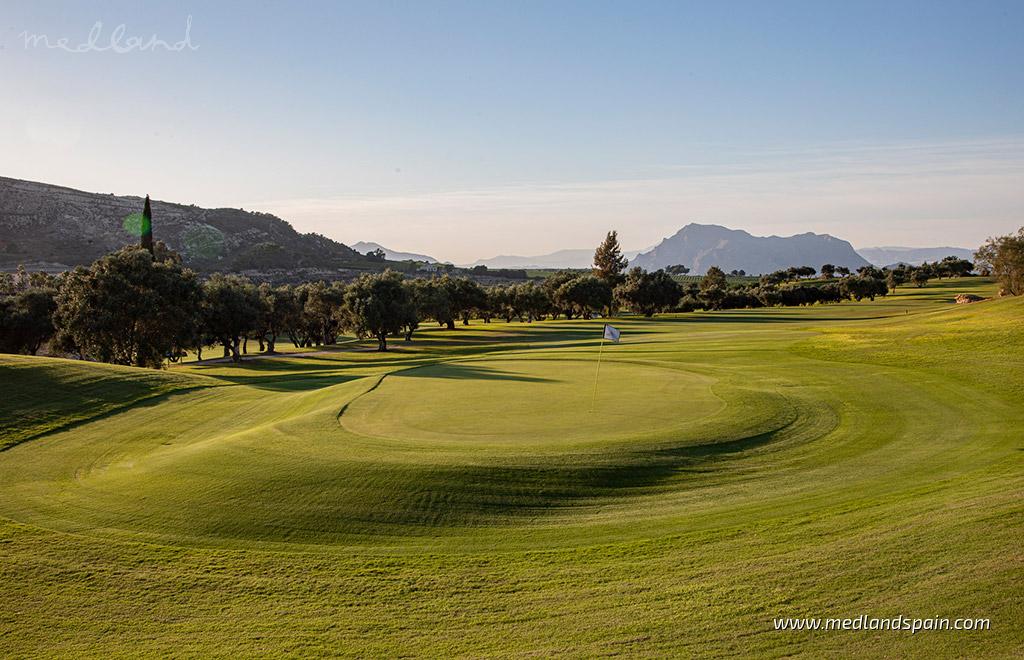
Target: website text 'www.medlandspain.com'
{"x":864,"y":622}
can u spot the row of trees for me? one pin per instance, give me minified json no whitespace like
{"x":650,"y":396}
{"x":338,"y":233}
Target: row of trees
{"x":142,"y":308}
{"x":131,"y":308}
{"x":949,"y":267}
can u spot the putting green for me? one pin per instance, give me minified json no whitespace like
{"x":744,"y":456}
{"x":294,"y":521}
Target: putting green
{"x":532,"y":404}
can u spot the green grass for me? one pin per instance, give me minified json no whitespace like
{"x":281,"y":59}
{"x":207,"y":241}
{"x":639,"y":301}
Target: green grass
{"x":460,"y":496}
{"x":44,"y":394}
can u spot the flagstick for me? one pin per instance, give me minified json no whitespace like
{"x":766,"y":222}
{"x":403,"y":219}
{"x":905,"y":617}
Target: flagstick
{"x":597,"y":375}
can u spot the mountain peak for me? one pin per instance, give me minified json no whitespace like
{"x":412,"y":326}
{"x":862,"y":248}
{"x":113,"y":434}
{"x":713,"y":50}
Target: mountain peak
{"x":700,"y":246}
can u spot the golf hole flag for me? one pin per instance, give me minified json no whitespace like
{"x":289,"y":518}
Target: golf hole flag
{"x":611,"y":333}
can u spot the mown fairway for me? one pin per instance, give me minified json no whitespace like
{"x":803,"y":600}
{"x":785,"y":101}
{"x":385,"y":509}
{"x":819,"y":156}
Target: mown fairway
{"x":465,"y":495}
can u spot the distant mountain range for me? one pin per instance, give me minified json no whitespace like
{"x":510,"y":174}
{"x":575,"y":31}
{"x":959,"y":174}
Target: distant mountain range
{"x":571,"y":258}
{"x":887,"y":256}
{"x":53,"y":227}
{"x":701,"y":246}
{"x":392,"y":255}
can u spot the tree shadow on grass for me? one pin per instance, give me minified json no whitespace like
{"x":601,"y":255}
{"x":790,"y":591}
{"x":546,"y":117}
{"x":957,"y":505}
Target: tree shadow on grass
{"x":296,"y":383}
{"x":463,"y":370}
{"x":420,"y":499}
{"x":756,"y":318}
{"x":425,"y":498}
{"x":104,"y":413}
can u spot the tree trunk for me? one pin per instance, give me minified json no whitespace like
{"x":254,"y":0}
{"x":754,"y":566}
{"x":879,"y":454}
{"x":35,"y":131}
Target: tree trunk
{"x":260,"y":340}
{"x":245,"y":345}
{"x":382,"y":342}
{"x":271,"y":343}
{"x":235,"y":357}
{"x":451,"y":324}
{"x":199,"y":354}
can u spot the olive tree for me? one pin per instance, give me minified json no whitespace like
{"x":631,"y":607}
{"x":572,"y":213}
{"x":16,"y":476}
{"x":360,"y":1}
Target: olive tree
{"x":230,"y":309}
{"x":376,"y":306}
{"x":127,"y":308}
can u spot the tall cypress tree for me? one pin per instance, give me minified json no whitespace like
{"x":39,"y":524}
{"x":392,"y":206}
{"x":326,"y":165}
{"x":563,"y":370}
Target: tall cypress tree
{"x":146,"y":232}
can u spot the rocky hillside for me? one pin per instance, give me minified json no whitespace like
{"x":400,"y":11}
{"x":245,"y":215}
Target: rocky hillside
{"x":52,"y":227}
{"x":701,"y":246}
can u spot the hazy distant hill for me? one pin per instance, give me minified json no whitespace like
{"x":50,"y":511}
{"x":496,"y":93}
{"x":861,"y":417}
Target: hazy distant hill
{"x":572,"y":258}
{"x":51,"y":225}
{"x":885,"y":256}
{"x":701,"y":246}
{"x":392,"y":255}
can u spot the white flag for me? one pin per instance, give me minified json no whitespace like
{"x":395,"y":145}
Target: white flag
{"x":611,"y":334}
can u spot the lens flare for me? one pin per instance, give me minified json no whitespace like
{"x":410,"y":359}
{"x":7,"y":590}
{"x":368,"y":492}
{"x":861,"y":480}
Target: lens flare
{"x":133,"y":224}
{"x":203,"y":242}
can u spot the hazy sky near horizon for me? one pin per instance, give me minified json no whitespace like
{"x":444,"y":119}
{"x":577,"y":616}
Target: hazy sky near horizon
{"x":469,"y":129}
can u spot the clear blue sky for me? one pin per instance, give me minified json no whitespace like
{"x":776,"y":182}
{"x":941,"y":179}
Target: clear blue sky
{"x":469,"y":129}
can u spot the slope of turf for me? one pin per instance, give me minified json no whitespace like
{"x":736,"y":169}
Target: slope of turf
{"x":42,"y":394}
{"x":470,"y":494}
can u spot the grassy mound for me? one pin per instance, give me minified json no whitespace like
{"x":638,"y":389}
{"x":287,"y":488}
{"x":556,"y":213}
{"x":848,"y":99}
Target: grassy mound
{"x":44,"y":394}
{"x":537,"y":404}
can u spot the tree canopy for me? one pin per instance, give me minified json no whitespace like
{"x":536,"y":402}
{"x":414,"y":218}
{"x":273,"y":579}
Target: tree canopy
{"x":648,"y":293}
{"x":1004,"y":257}
{"x":376,"y":306}
{"x":126,"y":308}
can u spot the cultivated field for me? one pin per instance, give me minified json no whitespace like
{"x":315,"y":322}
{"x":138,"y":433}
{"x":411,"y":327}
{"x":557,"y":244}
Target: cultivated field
{"x":469,"y":494}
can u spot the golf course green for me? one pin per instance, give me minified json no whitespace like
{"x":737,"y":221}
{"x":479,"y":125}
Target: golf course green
{"x":492,"y":490}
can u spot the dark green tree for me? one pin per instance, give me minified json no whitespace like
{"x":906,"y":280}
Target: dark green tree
{"x":26,"y":319}
{"x":146,"y":230}
{"x":863,"y":286}
{"x":280,"y":311}
{"x":437,"y":300}
{"x":715,"y":277}
{"x":609,"y":263}
{"x":585,"y":295}
{"x":376,"y":305}
{"x":648,"y":293}
{"x":414,"y":291}
{"x":529,"y":301}
{"x":127,"y":308}
{"x":894,"y":277}
{"x":320,"y":308}
{"x":551,"y":285}
{"x":230,"y":309}
{"x":468,"y":298}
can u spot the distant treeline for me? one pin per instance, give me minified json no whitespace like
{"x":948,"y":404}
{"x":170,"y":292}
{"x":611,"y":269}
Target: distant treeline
{"x":141,"y":308}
